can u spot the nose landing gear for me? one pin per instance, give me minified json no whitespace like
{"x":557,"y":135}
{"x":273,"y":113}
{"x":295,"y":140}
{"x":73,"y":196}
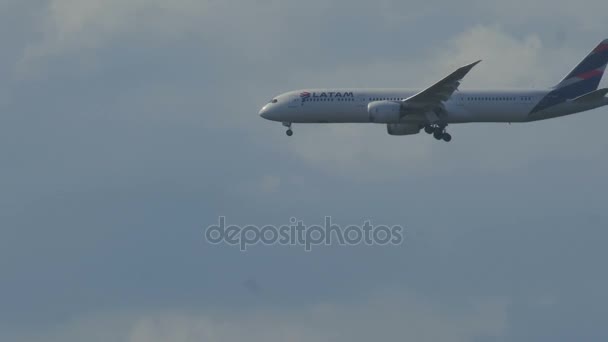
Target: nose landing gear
{"x":289,"y":131}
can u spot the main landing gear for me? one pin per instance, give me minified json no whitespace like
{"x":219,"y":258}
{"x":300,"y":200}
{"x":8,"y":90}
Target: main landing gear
{"x":289,"y":131}
{"x":438,"y":132}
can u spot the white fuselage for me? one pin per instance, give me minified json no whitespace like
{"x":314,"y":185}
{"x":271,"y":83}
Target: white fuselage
{"x":351,"y":106}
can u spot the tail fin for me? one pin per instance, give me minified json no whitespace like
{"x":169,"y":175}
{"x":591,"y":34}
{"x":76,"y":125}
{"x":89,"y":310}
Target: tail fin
{"x":586,"y":77}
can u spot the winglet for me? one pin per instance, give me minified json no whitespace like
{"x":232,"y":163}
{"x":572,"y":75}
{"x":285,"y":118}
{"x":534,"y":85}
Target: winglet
{"x":463,"y":71}
{"x":473,"y":64}
{"x":457,"y":76}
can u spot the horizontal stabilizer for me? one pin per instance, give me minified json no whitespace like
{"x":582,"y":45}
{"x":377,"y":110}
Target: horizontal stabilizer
{"x":592,"y":96}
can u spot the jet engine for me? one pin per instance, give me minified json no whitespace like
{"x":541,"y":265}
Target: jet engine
{"x":402,"y":129}
{"x":384,"y":111}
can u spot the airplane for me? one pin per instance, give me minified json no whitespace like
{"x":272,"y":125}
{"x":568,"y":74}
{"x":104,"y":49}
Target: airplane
{"x":406,"y":112}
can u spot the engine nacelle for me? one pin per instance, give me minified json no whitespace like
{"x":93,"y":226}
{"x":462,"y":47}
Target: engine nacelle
{"x":384,"y":111}
{"x":403,"y":129}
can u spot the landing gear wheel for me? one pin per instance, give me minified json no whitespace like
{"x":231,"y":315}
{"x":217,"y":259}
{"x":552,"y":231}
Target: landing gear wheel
{"x":429,"y":129}
{"x":447,"y":137}
{"x":289,"y":131}
{"x":438,"y":135}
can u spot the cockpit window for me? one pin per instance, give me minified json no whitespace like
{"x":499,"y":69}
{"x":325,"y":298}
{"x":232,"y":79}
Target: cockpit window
{"x":274,"y":101}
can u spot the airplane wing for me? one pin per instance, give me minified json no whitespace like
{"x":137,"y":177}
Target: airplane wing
{"x":431,"y":99}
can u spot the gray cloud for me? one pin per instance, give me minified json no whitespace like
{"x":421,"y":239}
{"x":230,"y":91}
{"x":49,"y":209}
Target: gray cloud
{"x":128,"y":126}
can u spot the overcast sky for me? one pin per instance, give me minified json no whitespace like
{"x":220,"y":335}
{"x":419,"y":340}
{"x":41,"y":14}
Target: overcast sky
{"x":128,"y":126}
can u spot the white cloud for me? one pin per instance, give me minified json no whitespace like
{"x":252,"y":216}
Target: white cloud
{"x":390,"y":316}
{"x":361,"y":151}
{"x":260,"y":28}
{"x":571,"y":16}
{"x":71,"y":26}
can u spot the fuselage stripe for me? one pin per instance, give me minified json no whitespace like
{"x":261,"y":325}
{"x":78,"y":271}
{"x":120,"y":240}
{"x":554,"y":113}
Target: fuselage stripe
{"x":590,"y":74}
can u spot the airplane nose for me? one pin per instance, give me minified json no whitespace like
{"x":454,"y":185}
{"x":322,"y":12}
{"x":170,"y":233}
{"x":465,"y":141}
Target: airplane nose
{"x":263,"y":112}
{"x":271,"y":112}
